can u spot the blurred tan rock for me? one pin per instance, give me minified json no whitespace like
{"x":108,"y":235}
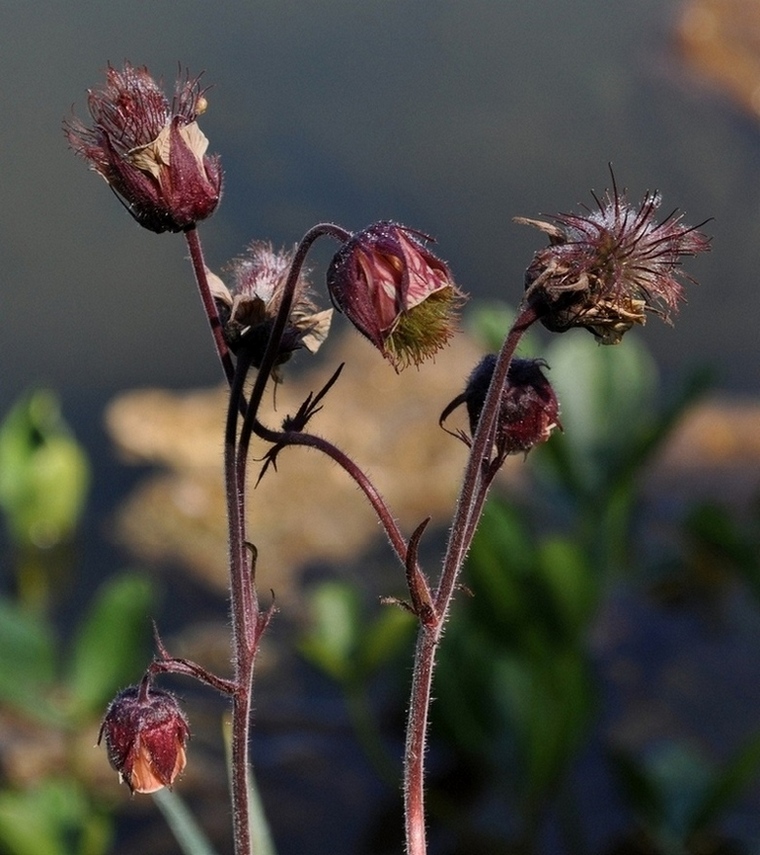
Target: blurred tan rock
{"x":308,"y":510}
{"x":720,"y":40}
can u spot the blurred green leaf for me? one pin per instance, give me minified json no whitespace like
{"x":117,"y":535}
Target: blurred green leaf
{"x":605,"y":394}
{"x":331,"y":643}
{"x":490,"y":321}
{"x":639,"y":788}
{"x":110,"y":646}
{"x":572,"y":583}
{"x":27,"y":661}
{"x":384,"y":637}
{"x":54,"y":818}
{"x":667,"y":788}
{"x":728,"y":785}
{"x":44,"y":473}
{"x":188,"y":834}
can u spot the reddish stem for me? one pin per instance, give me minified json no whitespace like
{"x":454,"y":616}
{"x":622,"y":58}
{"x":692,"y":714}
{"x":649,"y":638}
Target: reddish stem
{"x":477,"y":479}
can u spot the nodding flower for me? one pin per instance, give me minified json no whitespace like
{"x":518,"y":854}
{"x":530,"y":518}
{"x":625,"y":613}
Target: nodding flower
{"x":145,"y":732}
{"x":395,"y":292}
{"x":150,"y":152}
{"x":606,"y":268}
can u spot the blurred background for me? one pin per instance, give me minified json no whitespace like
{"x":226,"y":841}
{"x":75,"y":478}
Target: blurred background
{"x":450,"y":117}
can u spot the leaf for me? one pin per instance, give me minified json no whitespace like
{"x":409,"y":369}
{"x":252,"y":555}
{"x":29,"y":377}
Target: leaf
{"x":54,"y":818}
{"x":183,"y":825}
{"x":384,"y":637}
{"x":44,"y":473}
{"x":27,"y":661}
{"x":335,"y":627}
{"x":110,"y":646}
{"x":728,"y":785}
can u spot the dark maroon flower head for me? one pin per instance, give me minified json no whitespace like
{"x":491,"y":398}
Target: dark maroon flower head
{"x":249,"y":307}
{"x":604,"y":269}
{"x":529,"y":410}
{"x":151,"y":152}
{"x":146,"y":733}
{"x":395,"y":292}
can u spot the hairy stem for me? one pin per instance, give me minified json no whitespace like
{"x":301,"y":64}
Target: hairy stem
{"x":476,"y":481}
{"x":209,"y":305}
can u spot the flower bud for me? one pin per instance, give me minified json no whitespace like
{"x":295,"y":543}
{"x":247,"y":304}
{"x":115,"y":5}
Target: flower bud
{"x":603,"y":270}
{"x":395,"y":292}
{"x":145,"y":732}
{"x":151,"y":153}
{"x":529,"y":410}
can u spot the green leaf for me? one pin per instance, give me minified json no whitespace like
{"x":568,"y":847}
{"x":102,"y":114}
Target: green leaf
{"x":491,"y":321}
{"x":384,"y":637}
{"x":728,"y":785}
{"x":333,"y":637}
{"x":183,"y":825}
{"x":44,"y":473}
{"x":572,"y":584}
{"x":111,"y":644}
{"x":55,"y":818}
{"x":27,"y":661}
{"x":606,"y":394}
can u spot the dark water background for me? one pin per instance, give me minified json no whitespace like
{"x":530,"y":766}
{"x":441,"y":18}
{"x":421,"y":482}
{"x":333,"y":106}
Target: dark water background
{"x":449,"y":116}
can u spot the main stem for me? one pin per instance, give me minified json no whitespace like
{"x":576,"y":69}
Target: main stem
{"x":477,"y":479}
{"x":248,"y":622}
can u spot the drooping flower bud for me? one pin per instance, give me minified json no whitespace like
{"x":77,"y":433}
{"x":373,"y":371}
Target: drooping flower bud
{"x":145,"y":732}
{"x":603,"y":270}
{"x":395,"y":292}
{"x":528,"y":410}
{"x":150,"y":152}
{"x":248,"y":310}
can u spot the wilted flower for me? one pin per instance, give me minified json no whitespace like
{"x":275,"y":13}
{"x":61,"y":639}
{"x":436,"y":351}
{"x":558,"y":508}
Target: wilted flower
{"x":528,"y":411}
{"x":248,"y":310}
{"x":603,"y":270}
{"x":151,"y":153}
{"x":395,"y":292}
{"x":145,"y":732}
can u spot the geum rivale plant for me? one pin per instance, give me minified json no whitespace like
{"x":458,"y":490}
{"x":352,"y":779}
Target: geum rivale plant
{"x":604,"y":270}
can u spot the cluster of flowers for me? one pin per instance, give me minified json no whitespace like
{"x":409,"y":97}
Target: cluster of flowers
{"x":602,"y":270}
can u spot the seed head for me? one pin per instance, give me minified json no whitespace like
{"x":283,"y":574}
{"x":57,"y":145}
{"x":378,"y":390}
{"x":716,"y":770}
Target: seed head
{"x":248,"y":309}
{"x":605,"y":268}
{"x":151,"y":152}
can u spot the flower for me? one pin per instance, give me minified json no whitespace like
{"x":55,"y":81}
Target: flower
{"x":604,"y":269}
{"x":248,"y":311}
{"x":395,"y":292}
{"x":146,"y":733}
{"x":150,"y":152}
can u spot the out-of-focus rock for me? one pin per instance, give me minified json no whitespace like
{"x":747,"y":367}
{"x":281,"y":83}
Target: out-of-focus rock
{"x":720,"y":40}
{"x":308,"y":510}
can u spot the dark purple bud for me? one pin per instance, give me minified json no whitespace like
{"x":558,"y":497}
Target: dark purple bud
{"x":529,"y":410}
{"x":145,"y":732}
